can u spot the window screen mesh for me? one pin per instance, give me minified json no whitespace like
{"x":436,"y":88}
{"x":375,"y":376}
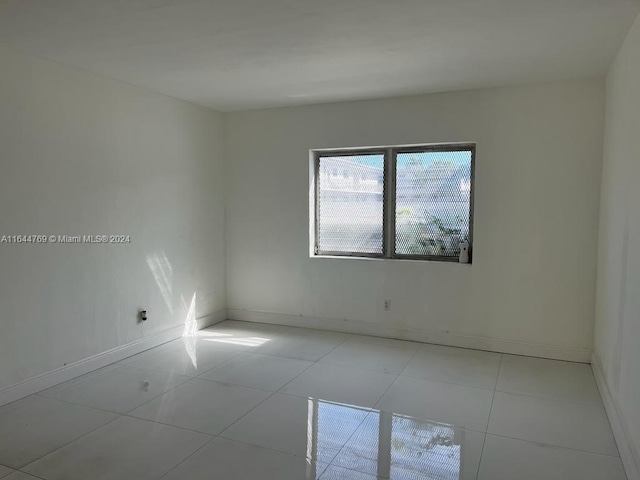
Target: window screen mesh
{"x":433,"y":192}
{"x":404,"y":448}
{"x":350,"y":203}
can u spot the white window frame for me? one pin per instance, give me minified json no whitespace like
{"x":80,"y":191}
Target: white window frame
{"x":390,"y":154}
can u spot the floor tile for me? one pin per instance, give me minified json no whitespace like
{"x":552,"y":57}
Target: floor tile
{"x":338,"y":473}
{"x":382,"y":358}
{"x":307,"y":428}
{"x":4,"y":471}
{"x":259,"y":371}
{"x":8,"y":407}
{"x":551,"y":422}
{"x":120,"y":390}
{"x":244,"y":336}
{"x":397,"y":446}
{"x":309,"y":345}
{"x":190,"y":356}
{"x":341,"y":384}
{"x":508,"y":459}
{"x":20,"y":476}
{"x":227,"y":460}
{"x":150,"y":351}
{"x":41,"y":426}
{"x":129,"y":362}
{"x":455,"y":365}
{"x":50,"y":392}
{"x":457,"y":405}
{"x":202,"y":405}
{"x":127,"y":448}
{"x":571,"y":382}
{"x":349,"y":416}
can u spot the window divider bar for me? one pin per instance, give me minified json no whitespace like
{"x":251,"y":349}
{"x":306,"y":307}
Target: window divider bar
{"x":472,"y":177}
{"x":390,"y":202}
{"x":316,"y":224}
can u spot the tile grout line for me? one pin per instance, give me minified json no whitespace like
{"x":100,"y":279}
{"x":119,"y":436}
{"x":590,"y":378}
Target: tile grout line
{"x":298,"y":358}
{"x":415,"y":353}
{"x":186,"y":458}
{"x":369,"y":413}
{"x":26,"y":473}
{"x":313,"y":363}
{"x":310,"y":366}
{"x":270,"y":355}
{"x":127,"y":414}
{"x":224,"y":362}
{"x":75,"y":404}
{"x":377,"y":370}
{"x":271,"y":395}
{"x":111,"y":367}
{"x":484,"y":440}
{"x":118,"y":415}
{"x":163,"y":393}
{"x":152,"y":399}
{"x":282,"y":452}
{"x":188,"y":378}
{"x":239,"y":384}
{"x":349,"y":335}
{"x":355,"y":470}
{"x":219,"y":434}
{"x":331,"y":464}
{"x":417,"y":342}
{"x":532,"y":442}
{"x":282,"y":393}
{"x":199,"y":432}
{"x":395,"y":379}
{"x":159,"y":395}
{"x":68,"y":443}
{"x":445,"y":382}
{"x":360,"y":424}
{"x":548,"y":399}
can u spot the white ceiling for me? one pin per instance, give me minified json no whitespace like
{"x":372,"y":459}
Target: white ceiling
{"x":240,"y":54}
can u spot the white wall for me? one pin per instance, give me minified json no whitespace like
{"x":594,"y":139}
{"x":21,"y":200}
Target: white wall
{"x":81,"y":154}
{"x":532,"y":283}
{"x":617,"y":332}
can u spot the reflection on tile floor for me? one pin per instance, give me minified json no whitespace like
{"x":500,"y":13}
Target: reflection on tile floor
{"x":242,"y":401}
{"x":396,"y":446}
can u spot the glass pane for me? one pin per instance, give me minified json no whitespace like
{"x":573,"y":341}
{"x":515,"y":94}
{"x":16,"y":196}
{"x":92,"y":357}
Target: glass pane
{"x":390,"y":445}
{"x":433,"y":192}
{"x":351,"y":203}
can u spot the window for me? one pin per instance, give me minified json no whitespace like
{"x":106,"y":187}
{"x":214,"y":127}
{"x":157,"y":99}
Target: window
{"x":394,"y":202}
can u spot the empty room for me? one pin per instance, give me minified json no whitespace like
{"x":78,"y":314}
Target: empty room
{"x":329,"y":240}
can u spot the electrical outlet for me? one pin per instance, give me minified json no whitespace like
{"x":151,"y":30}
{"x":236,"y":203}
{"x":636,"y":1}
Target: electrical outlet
{"x":387,"y":305}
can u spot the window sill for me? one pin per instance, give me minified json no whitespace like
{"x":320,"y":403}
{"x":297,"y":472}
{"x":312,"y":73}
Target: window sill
{"x":384,"y":259}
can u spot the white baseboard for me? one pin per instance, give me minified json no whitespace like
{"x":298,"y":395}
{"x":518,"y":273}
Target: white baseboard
{"x":582,"y":355}
{"x":81,"y":367}
{"x":628,"y":454}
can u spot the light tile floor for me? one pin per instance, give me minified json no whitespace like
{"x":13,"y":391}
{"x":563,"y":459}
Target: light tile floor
{"x":243,"y":401}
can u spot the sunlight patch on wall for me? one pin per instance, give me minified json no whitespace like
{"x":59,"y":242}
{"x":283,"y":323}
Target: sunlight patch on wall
{"x":189,"y":335}
{"x":162,"y":273}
